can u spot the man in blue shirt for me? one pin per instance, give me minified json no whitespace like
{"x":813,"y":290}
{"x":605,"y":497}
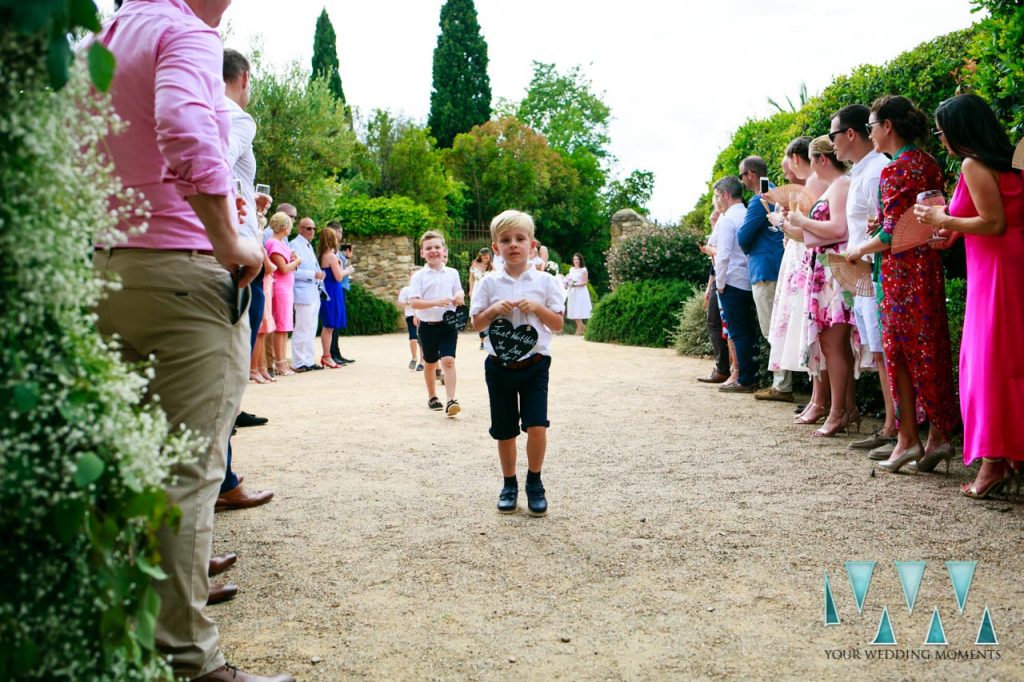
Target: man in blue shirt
{"x":763,"y":246}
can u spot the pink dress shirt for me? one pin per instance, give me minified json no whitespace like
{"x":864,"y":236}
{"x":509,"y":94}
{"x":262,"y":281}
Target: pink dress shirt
{"x":169,"y":88}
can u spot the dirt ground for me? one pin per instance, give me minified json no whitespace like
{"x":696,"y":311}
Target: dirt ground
{"x":687,"y":537}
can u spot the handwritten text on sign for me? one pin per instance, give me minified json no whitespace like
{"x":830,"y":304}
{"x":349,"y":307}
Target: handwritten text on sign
{"x":511,"y":343}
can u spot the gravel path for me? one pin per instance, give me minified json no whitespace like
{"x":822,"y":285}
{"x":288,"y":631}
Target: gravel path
{"x":687,"y":536}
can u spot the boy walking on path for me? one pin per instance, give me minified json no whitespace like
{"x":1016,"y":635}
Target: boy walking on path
{"x":518,"y":388}
{"x":433,"y":291}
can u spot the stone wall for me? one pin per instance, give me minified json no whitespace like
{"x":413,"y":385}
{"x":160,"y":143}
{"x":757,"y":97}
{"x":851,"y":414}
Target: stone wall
{"x":627,"y":222}
{"x":382,"y":263}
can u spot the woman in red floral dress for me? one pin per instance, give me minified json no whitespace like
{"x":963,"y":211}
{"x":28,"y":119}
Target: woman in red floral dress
{"x":915,"y":329}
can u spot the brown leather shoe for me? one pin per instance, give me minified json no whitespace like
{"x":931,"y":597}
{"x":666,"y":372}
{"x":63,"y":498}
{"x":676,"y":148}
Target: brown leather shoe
{"x":238,"y":498}
{"x":221,"y":592}
{"x":716,"y":377}
{"x":221,"y":563}
{"x":229,"y":673}
{"x":771,"y":393}
{"x":737,"y":388}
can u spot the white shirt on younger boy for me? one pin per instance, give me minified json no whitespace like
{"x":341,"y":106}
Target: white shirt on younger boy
{"x":429,"y":284}
{"x":532,"y":284}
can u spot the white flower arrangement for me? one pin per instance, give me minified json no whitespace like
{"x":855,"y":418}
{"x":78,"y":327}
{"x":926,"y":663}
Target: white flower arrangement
{"x":82,"y":458}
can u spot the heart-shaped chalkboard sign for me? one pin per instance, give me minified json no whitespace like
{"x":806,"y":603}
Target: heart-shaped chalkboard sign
{"x":457,"y":319}
{"x":511,"y":343}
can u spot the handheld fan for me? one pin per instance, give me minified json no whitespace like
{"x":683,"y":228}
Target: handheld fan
{"x":853,"y":277}
{"x":909,"y":233}
{"x":791,"y":197}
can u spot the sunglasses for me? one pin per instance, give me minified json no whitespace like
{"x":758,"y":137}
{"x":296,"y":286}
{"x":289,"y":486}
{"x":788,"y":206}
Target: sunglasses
{"x":869,"y":125}
{"x":938,"y":133}
{"x":832,"y":136}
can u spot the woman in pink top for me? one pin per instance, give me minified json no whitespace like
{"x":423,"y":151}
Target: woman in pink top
{"x":988,"y":208}
{"x":284,"y":277}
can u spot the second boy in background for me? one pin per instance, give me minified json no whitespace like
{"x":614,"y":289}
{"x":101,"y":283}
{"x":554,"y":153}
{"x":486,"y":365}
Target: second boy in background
{"x":434,"y":290}
{"x":518,"y":390}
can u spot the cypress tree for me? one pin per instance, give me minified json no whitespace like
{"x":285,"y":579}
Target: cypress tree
{"x":325,"y":56}
{"x":461,"y":95}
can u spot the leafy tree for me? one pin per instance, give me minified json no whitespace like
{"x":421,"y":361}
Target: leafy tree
{"x":998,"y":61}
{"x":634,"y":192}
{"x":401,"y":158}
{"x":563,"y":108}
{"x":304,"y":140}
{"x":461,"y":95}
{"x":325,"y":57}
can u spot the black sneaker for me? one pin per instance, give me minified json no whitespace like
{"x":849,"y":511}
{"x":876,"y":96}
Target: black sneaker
{"x":245,"y":419}
{"x":507,"y":499}
{"x":434,"y":403}
{"x":419,"y":367}
{"x":535,"y":500}
{"x":452,"y":408}
{"x":412,"y":365}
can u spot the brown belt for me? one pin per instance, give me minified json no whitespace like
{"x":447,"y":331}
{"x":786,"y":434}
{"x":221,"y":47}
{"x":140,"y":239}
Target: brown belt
{"x":521,"y":364}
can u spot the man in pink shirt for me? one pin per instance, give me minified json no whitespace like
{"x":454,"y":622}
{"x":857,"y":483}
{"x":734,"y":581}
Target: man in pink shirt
{"x":180,"y":299}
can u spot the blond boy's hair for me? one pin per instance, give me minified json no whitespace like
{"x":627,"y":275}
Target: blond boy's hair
{"x":511,"y":219}
{"x":431,"y":234}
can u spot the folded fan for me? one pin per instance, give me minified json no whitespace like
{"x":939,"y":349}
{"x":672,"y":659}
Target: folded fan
{"x":909,"y":233}
{"x":791,"y":197}
{"x":853,"y":277}
{"x":1018,"y":156}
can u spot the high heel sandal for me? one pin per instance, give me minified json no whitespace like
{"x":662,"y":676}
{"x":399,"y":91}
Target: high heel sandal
{"x":255,"y":376}
{"x":282,"y":368}
{"x":1000,"y":484}
{"x":853,"y":417}
{"x":932,"y":459}
{"x":267,"y":375}
{"x":326,"y":361}
{"x":894,"y":465}
{"x":825,"y":433}
{"x":801,"y":419}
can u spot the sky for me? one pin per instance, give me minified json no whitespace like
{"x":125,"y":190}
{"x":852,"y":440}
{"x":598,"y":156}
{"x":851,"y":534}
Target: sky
{"x":679,"y":77}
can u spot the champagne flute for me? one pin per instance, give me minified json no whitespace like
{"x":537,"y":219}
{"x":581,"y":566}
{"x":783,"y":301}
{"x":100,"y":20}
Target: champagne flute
{"x":933,"y":197}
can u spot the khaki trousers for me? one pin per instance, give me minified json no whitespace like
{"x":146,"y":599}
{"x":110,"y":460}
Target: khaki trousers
{"x":181,"y":308}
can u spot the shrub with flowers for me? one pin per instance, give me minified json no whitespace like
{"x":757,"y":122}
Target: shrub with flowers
{"x":665,"y":253}
{"x":82,"y":459}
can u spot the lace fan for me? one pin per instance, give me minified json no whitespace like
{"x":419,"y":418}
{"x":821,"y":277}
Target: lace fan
{"x":853,"y":277}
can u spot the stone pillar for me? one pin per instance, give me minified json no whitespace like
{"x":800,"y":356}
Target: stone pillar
{"x":627,"y":222}
{"x":382,"y":263}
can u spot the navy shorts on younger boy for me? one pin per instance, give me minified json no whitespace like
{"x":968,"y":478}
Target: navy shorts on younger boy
{"x":438,"y":341}
{"x":518,"y":397}
{"x":410,"y":326}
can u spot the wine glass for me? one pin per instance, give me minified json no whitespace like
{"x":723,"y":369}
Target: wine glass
{"x":263,"y":189}
{"x":933,"y":197}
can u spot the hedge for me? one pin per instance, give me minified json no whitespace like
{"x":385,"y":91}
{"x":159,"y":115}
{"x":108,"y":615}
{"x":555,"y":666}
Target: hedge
{"x":658,"y":253}
{"x":691,"y":334}
{"x":366,"y":217}
{"x":368,"y":313}
{"x":639,"y":313}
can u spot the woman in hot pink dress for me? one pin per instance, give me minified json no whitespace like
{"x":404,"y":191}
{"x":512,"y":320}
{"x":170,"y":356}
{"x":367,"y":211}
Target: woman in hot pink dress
{"x":988,"y":208}
{"x":284,"y":278}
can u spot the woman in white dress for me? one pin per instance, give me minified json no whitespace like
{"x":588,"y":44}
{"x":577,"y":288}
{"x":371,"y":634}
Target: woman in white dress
{"x":478,"y":269}
{"x":579,"y":306}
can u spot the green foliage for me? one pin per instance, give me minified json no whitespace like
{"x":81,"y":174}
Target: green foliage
{"x":82,"y":461}
{"x":45,"y":30}
{"x":956,"y":308}
{"x":365,"y":216}
{"x":461,"y":94}
{"x":325,"y":58}
{"x":639,"y":313}
{"x":562,"y":108}
{"x":691,"y":335}
{"x":658,"y":253}
{"x":998,"y":61}
{"x":634,"y":192}
{"x":369,"y":314}
{"x":304,"y":140}
{"x":400,"y":158}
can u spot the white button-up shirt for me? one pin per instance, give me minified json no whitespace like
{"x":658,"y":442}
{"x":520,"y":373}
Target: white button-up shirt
{"x":731,"y":267}
{"x":862,"y":200}
{"x":243,"y":165}
{"x":429,"y":284}
{"x":532,"y":284}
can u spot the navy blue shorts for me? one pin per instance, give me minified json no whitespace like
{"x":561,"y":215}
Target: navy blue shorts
{"x":518,"y":397}
{"x":437,"y":340}
{"x":411,"y":327}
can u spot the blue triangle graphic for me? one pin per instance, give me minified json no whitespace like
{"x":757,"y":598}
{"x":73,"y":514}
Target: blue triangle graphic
{"x":859,"y":573}
{"x":885,"y":636}
{"x":911,"y":573}
{"x":936,"y":633}
{"x":831,"y":613}
{"x":986,"y":633}
{"x":961,"y":574}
